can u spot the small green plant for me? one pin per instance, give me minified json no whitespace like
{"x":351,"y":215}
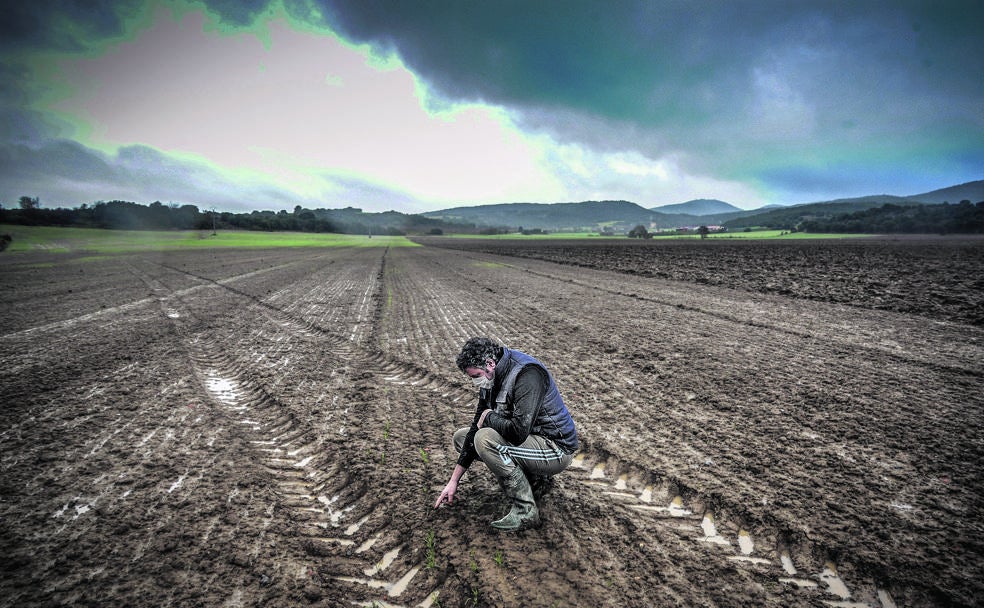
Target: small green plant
{"x":424,"y":456}
{"x":386,"y":431}
{"x":471,"y":561}
{"x":499,"y":558}
{"x":431,"y":551}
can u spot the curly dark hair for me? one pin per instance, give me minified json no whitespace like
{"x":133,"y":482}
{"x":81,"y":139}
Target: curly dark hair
{"x":477,"y":351}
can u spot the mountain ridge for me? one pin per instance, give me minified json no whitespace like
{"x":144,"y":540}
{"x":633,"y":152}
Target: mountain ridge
{"x":619,"y":214}
{"x":700,"y":206}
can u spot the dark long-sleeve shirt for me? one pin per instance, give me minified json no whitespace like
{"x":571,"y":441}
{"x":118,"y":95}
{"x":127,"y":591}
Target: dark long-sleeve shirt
{"x":531,"y":386}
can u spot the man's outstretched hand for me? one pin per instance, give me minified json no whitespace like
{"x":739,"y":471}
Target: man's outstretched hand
{"x":447,"y":495}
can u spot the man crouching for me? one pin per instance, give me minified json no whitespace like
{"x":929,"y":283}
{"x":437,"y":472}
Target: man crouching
{"x":522,"y":430}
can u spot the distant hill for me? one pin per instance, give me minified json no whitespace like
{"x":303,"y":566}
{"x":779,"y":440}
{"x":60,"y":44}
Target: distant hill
{"x":556,"y":216}
{"x":788,"y":217}
{"x":583,"y":216}
{"x":623,"y":215}
{"x":701,"y":206}
{"x":971,"y":191}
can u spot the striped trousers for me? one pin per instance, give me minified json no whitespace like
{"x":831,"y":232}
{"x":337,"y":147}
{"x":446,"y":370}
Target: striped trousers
{"x":536,"y":456}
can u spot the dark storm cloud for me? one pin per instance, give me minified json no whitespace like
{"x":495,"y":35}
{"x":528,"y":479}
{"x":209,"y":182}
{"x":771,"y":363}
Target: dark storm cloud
{"x":238,"y":12}
{"x":809,"y":97}
{"x":657,"y":61}
{"x":55,"y":159}
{"x":676,"y":64}
{"x":64,"y":25}
{"x":743,"y":90}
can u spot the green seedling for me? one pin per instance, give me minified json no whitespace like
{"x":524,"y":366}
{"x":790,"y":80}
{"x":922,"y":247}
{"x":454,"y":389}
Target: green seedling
{"x":499,"y":558}
{"x":431,"y":551}
{"x":471,"y":561}
{"x":424,"y":456}
{"x":386,"y":431}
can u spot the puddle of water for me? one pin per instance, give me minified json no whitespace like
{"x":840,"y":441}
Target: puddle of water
{"x":401,"y":585}
{"x":61,"y":511}
{"x":303,"y":463}
{"x":369,"y":543}
{"x":750,"y":560}
{"x":677,"y":509}
{"x":886,"y":599}
{"x":598,"y":472}
{"x":223,"y":389}
{"x":787,"y":563}
{"x":710,"y":531}
{"x":835,"y":585}
{"x":362,"y":581}
{"x":647,"y":494}
{"x":578,"y":461}
{"x":336,"y":516}
{"x":338,"y":541}
{"x":745,"y":542}
{"x":355,"y":527}
{"x":707,"y":524}
{"x":176,"y":484}
{"x":429,"y":600}
{"x":622,"y":483}
{"x":384,"y":563}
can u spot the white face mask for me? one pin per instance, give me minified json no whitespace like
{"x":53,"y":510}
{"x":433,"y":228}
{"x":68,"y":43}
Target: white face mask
{"x":482,"y":382}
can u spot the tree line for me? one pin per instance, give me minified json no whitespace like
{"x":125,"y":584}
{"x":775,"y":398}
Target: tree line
{"x":125,"y":215}
{"x":962,"y":218}
{"x":913,"y":218}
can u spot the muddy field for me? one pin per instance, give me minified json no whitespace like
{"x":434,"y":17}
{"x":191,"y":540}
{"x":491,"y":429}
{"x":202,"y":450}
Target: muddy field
{"x":272,"y":428}
{"x":940,"y":278}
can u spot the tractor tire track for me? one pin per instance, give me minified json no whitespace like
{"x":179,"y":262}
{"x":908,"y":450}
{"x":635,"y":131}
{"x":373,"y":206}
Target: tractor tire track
{"x":789,"y":547}
{"x":335,"y":517}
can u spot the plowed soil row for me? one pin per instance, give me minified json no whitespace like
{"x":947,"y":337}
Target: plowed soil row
{"x":937,"y":277}
{"x":272,"y":428}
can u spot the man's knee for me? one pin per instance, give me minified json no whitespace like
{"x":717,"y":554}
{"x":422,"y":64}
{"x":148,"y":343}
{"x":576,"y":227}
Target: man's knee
{"x":487,"y":443}
{"x":487,"y":440}
{"x":458,"y":440}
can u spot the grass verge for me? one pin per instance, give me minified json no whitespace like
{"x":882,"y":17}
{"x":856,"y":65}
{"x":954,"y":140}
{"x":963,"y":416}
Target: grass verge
{"x":95,"y":240}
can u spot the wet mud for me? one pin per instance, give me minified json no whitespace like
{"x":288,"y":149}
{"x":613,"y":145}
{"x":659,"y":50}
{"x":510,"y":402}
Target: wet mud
{"x":273,"y":428}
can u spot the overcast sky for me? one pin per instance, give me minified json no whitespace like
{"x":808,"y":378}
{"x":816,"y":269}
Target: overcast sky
{"x":418,"y":106}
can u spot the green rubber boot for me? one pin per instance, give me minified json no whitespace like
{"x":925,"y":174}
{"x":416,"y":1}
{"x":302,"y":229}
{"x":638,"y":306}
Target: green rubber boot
{"x":523,"y":514}
{"x":540,"y":484}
